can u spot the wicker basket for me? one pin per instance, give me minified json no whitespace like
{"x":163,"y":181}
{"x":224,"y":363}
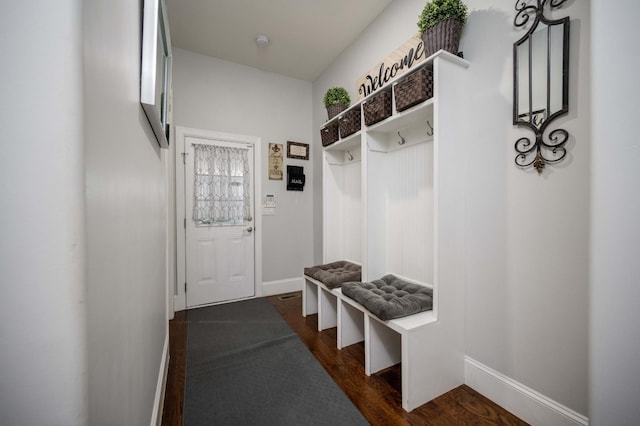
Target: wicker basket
{"x":333,"y":110}
{"x":415,"y":88}
{"x":377,"y":108}
{"x":443,"y":35}
{"x":349,"y":122}
{"x":329,"y":134}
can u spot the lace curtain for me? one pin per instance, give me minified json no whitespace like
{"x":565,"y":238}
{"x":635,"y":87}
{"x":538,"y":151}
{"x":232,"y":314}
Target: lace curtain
{"x":221,"y":185}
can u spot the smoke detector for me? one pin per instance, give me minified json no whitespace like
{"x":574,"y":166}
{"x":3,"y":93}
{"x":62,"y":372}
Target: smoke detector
{"x":262,"y":41}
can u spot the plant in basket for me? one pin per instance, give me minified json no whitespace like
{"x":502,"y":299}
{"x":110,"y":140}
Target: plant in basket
{"x":441,"y":23}
{"x":336,"y":100}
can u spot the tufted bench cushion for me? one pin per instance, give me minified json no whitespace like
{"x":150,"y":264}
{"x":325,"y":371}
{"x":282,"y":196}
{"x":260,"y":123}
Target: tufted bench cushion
{"x":334,"y":274}
{"x":390,"y":297}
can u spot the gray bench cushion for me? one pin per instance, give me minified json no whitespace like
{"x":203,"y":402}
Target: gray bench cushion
{"x":390,"y":297}
{"x":334,"y":274}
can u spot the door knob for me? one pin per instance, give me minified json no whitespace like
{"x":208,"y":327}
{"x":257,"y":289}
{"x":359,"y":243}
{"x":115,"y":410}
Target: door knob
{"x":249,"y":229}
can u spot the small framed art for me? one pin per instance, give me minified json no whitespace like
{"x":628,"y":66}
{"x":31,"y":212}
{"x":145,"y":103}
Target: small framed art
{"x":298,"y":150}
{"x":275,"y":161}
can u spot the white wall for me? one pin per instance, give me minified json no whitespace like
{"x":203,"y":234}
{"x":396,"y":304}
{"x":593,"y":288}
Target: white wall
{"x":527,"y":235}
{"x":615,"y":240}
{"x":43,"y":363}
{"x":83,"y":312}
{"x":125,"y":209}
{"x":217,"y":95}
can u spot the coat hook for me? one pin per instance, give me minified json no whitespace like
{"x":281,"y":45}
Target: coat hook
{"x":349,"y":156}
{"x":401,"y":141}
{"x":430,"y":133}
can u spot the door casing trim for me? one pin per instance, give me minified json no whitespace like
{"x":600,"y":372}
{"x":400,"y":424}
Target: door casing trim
{"x":180,"y":300}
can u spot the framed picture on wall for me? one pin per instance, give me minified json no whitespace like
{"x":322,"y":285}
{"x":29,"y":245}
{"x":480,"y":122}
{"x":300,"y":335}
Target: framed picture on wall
{"x":275,"y":161}
{"x":155,"y":70}
{"x":298,"y":150}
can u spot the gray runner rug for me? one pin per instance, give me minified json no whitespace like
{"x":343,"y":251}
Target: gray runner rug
{"x":246,"y":366}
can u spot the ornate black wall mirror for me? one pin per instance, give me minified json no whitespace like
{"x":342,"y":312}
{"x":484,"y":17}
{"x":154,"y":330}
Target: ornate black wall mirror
{"x":540,"y":83}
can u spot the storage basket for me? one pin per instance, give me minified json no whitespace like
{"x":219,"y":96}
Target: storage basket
{"x":377,"y":108}
{"x":444,"y":35}
{"x":415,"y":88}
{"x":329,"y":134}
{"x":349,"y":122}
{"x":333,"y":110}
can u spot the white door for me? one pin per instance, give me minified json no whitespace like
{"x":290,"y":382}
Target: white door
{"x":219,"y":246}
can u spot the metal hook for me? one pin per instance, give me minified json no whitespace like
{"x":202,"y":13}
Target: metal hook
{"x":349,"y":156}
{"x":401,"y":141}
{"x":431,"y":127}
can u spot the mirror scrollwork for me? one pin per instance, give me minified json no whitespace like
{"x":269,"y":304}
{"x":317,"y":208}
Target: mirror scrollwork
{"x":540,"y":83}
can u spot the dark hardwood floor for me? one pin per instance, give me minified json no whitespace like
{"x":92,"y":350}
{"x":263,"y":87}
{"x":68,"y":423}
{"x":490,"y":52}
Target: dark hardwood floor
{"x":377,"y":397}
{"x":174,"y":392}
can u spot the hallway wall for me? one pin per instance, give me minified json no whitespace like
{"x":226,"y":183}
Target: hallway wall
{"x":615,"y":230}
{"x":83,"y":247}
{"x":43,"y":362}
{"x":126,"y":221}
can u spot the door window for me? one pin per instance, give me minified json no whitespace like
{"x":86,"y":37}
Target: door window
{"x":221,"y":190}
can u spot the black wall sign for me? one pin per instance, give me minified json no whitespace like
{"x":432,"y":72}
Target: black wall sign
{"x":295,"y":178}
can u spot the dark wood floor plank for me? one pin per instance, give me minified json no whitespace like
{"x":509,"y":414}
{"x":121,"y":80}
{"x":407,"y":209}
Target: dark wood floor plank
{"x":378,"y":396}
{"x":174,"y":393}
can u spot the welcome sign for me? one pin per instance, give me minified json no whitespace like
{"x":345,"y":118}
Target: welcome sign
{"x":410,"y":54}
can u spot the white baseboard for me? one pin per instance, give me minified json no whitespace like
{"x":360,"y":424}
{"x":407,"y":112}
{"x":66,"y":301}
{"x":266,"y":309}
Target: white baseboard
{"x":531,"y":406}
{"x":158,"y":401}
{"x":269,"y":288}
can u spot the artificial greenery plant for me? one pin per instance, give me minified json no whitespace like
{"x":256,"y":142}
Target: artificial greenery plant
{"x":336,"y":96}
{"x":438,"y":10}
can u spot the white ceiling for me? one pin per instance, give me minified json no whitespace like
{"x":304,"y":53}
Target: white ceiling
{"x":306,"y":35}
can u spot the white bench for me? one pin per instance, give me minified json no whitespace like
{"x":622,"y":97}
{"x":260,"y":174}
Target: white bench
{"x":387,"y":343}
{"x":407,"y":340}
{"x":319,"y":299}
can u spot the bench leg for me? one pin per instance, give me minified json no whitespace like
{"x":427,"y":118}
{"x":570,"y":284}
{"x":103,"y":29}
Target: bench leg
{"x":382,"y":346}
{"x":350,"y":325}
{"x":327,"y":313}
{"x":309,"y":298}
